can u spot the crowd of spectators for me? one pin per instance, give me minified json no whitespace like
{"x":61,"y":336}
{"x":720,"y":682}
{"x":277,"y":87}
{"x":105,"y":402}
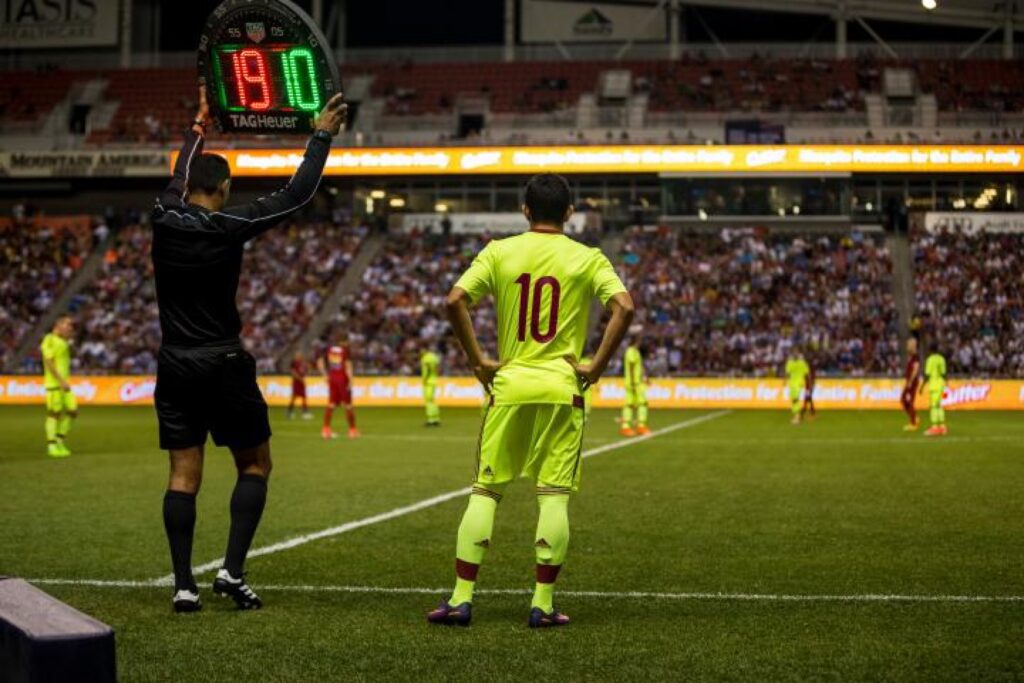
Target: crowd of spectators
{"x":285,"y":275}
{"x":37,"y":259}
{"x":736,"y":302}
{"x":399,"y":309}
{"x":118,"y":330}
{"x":969,"y":292}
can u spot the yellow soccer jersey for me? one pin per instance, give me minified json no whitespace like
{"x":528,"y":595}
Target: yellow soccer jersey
{"x":633,"y":366}
{"x":57,"y":350}
{"x":542,"y":284}
{"x":429,"y":367}
{"x":797,"y":370}
{"x":935,"y":371}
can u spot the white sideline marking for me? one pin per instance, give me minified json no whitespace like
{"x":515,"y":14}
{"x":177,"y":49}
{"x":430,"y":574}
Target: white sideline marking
{"x":426,"y":502}
{"x":601,"y":595}
{"x":909,"y":440}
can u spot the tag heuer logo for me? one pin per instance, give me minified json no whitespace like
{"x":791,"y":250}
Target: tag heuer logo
{"x":594,"y":23}
{"x":256,"y":31}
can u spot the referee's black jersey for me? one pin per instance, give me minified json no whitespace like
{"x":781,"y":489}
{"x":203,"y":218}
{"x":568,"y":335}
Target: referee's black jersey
{"x":197,"y":254}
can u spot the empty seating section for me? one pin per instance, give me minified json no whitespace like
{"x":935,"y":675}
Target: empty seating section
{"x":155,"y":103}
{"x":27,"y":96}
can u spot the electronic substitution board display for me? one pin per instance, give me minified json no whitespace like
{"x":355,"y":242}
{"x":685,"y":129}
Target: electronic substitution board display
{"x":266,"y":67}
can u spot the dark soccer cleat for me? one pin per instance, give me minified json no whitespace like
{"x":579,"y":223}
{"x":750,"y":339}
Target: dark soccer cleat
{"x":236,"y":589}
{"x":446,"y":615}
{"x":186,"y":601}
{"x":538,"y":619}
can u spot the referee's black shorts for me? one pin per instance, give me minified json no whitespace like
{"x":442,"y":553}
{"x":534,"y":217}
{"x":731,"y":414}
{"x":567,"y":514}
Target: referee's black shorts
{"x":209,"y":390}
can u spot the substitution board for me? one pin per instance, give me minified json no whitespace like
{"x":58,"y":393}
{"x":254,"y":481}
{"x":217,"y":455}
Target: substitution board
{"x":266,"y":67}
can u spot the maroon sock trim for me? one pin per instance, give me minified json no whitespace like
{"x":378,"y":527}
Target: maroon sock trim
{"x":466,"y":570}
{"x":547,"y":573}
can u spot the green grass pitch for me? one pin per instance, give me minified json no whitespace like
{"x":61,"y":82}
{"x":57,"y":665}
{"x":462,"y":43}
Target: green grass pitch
{"x":743,"y":504}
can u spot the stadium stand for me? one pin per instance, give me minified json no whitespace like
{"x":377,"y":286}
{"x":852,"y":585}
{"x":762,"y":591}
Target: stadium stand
{"x":732,"y":303}
{"x":149,"y":106}
{"x":38,"y":257}
{"x":286,"y":274}
{"x":399,"y":310}
{"x":285,"y":277}
{"x":969,"y":292}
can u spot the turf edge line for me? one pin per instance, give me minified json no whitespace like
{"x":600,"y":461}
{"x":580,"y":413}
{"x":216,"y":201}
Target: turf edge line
{"x":651,"y":595}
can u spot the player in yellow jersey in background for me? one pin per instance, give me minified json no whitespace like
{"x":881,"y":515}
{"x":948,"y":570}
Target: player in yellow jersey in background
{"x":935,"y":380}
{"x":430,"y":368}
{"x":61,"y":405}
{"x":542,"y":282}
{"x":634,"y":411}
{"x":797,"y":371}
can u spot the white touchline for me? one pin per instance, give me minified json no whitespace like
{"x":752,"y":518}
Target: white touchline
{"x":425,"y":503}
{"x":603,"y":595}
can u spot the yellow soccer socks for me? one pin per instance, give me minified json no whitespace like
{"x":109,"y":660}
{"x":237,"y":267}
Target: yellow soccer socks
{"x":552,"y":544}
{"x":473,"y":541}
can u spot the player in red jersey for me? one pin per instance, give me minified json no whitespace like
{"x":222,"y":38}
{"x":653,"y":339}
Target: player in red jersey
{"x":336,"y":364}
{"x":911,"y":382}
{"x":812,"y":376}
{"x":298,"y":370}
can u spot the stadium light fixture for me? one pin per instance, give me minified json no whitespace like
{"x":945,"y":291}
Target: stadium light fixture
{"x":929,"y":4}
{"x":441,"y":207}
{"x":396,"y":202}
{"x":378,"y":194}
{"x":796,"y":209}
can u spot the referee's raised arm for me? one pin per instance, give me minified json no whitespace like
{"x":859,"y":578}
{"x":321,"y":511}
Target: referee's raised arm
{"x":249,"y":220}
{"x":173,"y":196}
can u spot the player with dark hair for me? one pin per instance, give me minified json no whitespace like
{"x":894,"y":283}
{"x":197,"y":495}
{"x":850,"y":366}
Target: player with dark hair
{"x":809,"y":382}
{"x":542,"y":283}
{"x":911,"y":382}
{"x":206,"y":381}
{"x":336,"y":366}
{"x":797,"y":371}
{"x":935,"y":375}
{"x":61,"y":404}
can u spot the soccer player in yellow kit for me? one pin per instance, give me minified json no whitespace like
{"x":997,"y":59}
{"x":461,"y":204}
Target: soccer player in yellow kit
{"x":430,"y":365}
{"x":634,"y":411}
{"x":797,"y":371}
{"x":935,"y":379}
{"x":542,"y":282}
{"x":61,"y":405}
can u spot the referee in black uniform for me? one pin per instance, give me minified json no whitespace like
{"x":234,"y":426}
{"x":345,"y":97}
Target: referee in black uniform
{"x":206,"y":381}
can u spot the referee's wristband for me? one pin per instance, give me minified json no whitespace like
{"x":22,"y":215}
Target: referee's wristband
{"x":321,"y":134}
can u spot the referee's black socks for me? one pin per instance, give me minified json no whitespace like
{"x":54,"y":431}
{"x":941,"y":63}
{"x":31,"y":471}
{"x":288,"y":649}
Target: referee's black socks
{"x":247,"y":502}
{"x":180,"y":524}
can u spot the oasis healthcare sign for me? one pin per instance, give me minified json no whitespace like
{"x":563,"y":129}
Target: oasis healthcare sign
{"x":829,"y":394}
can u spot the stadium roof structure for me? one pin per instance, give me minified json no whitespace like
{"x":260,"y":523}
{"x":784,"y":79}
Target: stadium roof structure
{"x":969,"y":13}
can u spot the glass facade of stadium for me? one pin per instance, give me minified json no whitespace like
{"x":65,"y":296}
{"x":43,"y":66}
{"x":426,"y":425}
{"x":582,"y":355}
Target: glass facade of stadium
{"x":620,"y":198}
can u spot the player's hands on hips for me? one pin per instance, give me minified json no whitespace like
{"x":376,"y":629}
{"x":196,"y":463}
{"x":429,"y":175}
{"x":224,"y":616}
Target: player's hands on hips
{"x":486,"y":371}
{"x":588,"y":373}
{"x":334,"y":115}
{"x":64,"y":386}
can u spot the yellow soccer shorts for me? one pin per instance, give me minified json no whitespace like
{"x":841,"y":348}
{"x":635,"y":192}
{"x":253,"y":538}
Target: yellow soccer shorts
{"x":542,"y":441}
{"x":58,"y":401}
{"x":637,"y":394}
